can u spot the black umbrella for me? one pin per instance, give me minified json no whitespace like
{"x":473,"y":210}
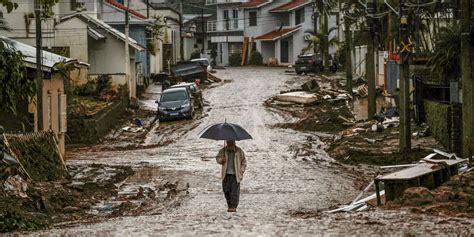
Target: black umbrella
{"x":225,"y":131}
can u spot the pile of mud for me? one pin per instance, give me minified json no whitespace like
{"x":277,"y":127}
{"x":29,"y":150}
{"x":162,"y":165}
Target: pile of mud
{"x":58,"y":201}
{"x":359,"y":144}
{"x":455,"y":197}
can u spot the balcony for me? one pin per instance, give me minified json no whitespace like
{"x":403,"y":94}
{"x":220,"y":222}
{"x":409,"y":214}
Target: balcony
{"x":229,"y":25}
{"x":215,"y":2}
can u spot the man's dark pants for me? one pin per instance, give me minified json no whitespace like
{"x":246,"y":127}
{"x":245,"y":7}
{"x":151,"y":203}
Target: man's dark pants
{"x":231,"y":190}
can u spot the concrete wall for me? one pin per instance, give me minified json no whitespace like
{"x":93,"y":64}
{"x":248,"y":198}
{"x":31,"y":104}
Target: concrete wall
{"x":115,"y":79}
{"x":171,"y":35}
{"x":156,"y":60}
{"x":53,"y":114}
{"x":73,"y":34}
{"x":107,"y":56}
{"x":24,"y":32}
{"x":267,"y":49}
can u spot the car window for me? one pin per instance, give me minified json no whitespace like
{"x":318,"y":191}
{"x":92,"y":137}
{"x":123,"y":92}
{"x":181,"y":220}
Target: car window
{"x":173,"y":96}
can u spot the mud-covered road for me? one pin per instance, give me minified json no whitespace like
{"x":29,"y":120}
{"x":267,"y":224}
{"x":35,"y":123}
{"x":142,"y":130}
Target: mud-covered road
{"x":279,"y":182}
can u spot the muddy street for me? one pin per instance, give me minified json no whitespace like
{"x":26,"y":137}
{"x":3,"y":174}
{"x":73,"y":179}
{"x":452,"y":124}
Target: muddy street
{"x":280,"y":186}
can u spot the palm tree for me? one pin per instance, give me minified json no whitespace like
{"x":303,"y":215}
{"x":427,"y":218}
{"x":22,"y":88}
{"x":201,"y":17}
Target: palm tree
{"x":445,"y":60}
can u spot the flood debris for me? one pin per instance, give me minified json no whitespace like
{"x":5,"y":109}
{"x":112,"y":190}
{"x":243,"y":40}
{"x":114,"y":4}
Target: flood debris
{"x":15,"y":186}
{"x":300,"y":97}
{"x":440,"y":165}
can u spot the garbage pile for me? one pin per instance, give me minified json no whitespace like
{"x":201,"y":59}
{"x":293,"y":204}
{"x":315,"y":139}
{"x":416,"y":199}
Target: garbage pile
{"x":319,"y":105}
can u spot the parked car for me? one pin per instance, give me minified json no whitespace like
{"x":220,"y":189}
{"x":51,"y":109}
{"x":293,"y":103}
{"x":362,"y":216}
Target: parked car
{"x":188,"y":71}
{"x":309,"y":63}
{"x":175,"y":103}
{"x":194,"y":91}
{"x":204,"y":63}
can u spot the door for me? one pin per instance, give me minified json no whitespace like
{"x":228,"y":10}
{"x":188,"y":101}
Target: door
{"x":284,"y":51}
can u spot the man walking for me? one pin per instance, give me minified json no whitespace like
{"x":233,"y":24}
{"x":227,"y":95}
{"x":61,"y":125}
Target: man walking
{"x":233,"y":162}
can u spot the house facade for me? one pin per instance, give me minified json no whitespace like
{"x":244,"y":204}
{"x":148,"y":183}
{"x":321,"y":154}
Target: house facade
{"x":227,"y":31}
{"x":279,"y":28}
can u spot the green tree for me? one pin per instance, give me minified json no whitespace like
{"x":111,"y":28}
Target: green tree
{"x":256,"y":58}
{"x":235,"y":59}
{"x":15,"y":85}
{"x":445,"y":60}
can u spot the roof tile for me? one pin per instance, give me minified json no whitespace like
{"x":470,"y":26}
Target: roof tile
{"x":275,"y":34}
{"x":120,"y":6}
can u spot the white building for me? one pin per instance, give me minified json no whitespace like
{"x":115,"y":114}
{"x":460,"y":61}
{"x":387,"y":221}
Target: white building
{"x":278,"y":27}
{"x":227,"y":32}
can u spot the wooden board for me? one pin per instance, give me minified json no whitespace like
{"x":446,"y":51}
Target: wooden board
{"x":244,"y":50}
{"x":419,"y":170}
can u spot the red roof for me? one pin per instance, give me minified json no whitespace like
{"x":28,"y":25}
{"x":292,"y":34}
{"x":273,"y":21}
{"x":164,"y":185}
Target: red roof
{"x":290,"y":6}
{"x":254,"y":3}
{"x":120,"y":6}
{"x":276,"y":34}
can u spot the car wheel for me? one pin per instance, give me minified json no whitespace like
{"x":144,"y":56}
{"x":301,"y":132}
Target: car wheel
{"x":298,"y":72}
{"x":190,"y":117}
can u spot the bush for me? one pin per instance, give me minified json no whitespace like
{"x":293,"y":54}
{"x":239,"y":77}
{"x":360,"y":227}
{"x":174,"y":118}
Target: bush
{"x":256,"y":58}
{"x":235,"y":59}
{"x":195,"y":54}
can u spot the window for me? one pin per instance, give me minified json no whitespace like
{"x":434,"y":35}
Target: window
{"x":235,"y":15}
{"x":226,"y":14}
{"x":252,"y":18}
{"x":299,"y":16}
{"x":83,"y":5}
{"x":226,"y":19}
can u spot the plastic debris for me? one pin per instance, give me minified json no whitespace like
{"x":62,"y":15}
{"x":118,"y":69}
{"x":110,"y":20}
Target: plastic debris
{"x":16,"y":186}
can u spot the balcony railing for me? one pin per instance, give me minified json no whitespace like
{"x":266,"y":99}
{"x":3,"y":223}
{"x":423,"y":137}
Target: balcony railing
{"x":228,"y":25}
{"x":213,"y":2}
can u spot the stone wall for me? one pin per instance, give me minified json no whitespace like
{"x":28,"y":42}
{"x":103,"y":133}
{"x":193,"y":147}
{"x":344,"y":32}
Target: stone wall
{"x":89,"y":130}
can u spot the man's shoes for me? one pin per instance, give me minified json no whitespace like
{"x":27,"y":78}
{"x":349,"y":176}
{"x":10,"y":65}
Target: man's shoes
{"x":231,"y":209}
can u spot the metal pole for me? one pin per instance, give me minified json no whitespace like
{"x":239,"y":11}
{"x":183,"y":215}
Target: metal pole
{"x":405,"y":55}
{"x":371,"y":108}
{"x":127,"y":53}
{"x":203,"y":32}
{"x":39,"y":63}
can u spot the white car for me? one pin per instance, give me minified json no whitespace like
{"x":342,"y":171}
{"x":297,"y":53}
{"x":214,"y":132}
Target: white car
{"x":204,"y":62}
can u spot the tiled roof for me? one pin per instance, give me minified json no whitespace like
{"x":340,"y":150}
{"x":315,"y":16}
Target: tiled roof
{"x":290,"y":6}
{"x":122,"y":7}
{"x":276,"y":34}
{"x":254,"y":3}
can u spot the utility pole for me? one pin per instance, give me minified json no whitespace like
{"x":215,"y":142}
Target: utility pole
{"x":348,"y":48}
{"x":203,"y":32}
{"x":315,"y":23}
{"x":39,"y":63}
{"x":325,"y":29}
{"x":181,"y":43}
{"x":467,"y":54}
{"x":127,"y":53}
{"x":371,"y":59}
{"x":404,"y":68}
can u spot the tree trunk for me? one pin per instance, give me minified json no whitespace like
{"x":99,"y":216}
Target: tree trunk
{"x":348,"y":39}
